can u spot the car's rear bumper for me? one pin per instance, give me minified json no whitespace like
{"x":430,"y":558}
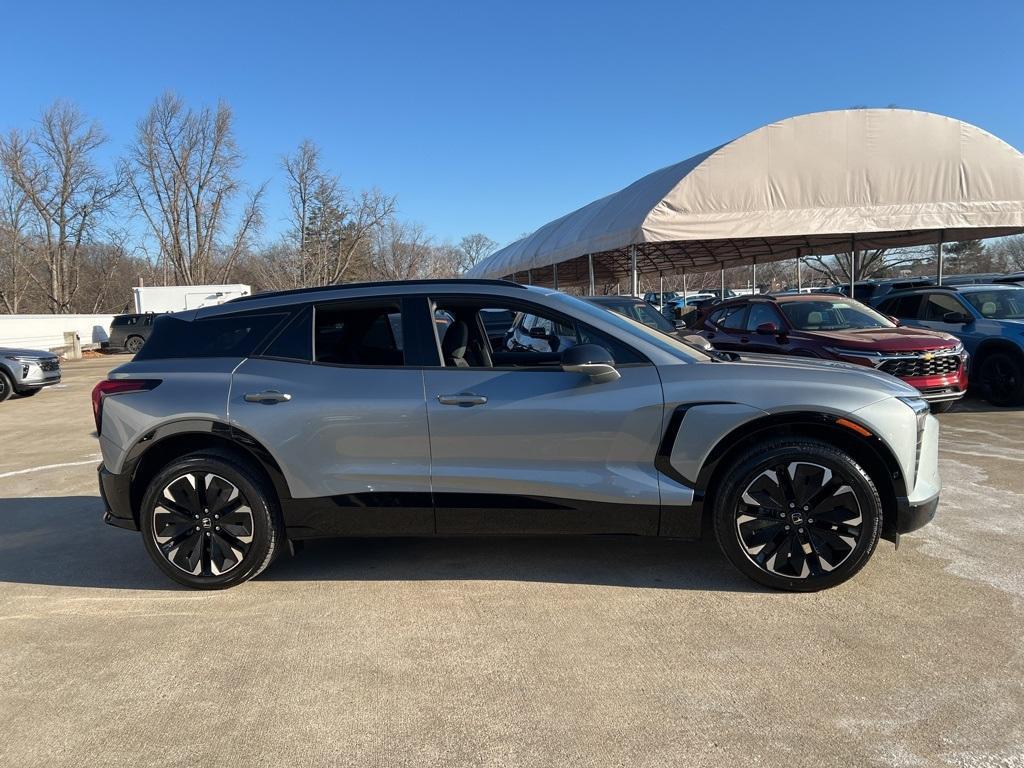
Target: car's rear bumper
{"x":116,"y":493}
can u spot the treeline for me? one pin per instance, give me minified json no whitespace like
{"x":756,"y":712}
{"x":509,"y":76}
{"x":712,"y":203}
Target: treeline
{"x":77,"y":232}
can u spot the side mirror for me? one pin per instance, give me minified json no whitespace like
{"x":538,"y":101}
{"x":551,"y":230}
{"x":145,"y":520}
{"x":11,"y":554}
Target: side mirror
{"x":956,"y":317}
{"x":767,"y":329}
{"x":591,"y":359}
{"x":537,"y":333}
{"x":894,"y":320}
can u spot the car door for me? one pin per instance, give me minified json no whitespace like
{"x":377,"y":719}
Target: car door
{"x":335,"y":403}
{"x":520,"y":446}
{"x":726,"y":327}
{"x":937,"y":305}
{"x":759,"y":314}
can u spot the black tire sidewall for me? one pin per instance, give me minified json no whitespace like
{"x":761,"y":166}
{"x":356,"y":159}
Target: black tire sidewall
{"x":943,"y":407}
{"x":1015,"y":398}
{"x":766,"y":455}
{"x":267,"y":533}
{"x":6,"y":386}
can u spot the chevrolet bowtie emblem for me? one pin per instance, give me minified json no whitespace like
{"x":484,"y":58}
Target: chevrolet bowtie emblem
{"x":927,"y":355}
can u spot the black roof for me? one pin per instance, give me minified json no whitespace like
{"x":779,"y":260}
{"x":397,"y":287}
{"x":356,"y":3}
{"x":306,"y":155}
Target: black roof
{"x":378,"y":284}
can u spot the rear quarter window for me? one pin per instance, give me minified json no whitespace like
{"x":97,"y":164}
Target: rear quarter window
{"x":222,"y":336}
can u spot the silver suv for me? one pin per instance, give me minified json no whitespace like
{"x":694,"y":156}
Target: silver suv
{"x":26,"y":371}
{"x":386,"y":409}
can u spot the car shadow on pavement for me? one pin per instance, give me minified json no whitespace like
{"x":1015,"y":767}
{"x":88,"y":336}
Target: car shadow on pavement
{"x":62,"y":541}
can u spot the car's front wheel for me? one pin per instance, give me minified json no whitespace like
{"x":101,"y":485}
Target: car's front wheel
{"x":210,"y":521}
{"x":797,"y":514}
{"x":6,"y":388}
{"x":1002,"y":378}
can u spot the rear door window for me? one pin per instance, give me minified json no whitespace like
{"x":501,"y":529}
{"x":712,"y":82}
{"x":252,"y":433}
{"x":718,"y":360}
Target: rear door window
{"x":904,"y":307}
{"x":938,"y":305}
{"x":359,"y":333}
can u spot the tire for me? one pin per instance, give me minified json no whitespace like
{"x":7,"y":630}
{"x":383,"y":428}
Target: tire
{"x":134,"y":343}
{"x":30,"y":392}
{"x":840,"y":528}
{"x":944,"y":407}
{"x":181,"y":519}
{"x":6,"y":387}
{"x":1002,"y":378}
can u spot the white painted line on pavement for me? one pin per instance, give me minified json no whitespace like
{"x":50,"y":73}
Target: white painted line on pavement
{"x":93,"y":460}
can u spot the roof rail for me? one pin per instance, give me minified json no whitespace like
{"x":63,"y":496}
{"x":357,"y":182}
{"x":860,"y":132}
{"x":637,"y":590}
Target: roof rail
{"x":377,"y":284}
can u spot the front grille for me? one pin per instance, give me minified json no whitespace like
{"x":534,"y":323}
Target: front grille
{"x":917,"y":365}
{"x":50,"y":365}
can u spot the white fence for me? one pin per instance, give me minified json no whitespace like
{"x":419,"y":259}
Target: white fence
{"x":47,"y":331}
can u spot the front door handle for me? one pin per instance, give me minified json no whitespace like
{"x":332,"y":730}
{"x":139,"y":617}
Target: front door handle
{"x":465,"y":399}
{"x":269,"y":396}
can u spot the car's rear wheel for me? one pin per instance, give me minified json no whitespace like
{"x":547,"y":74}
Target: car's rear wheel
{"x":6,"y":388}
{"x":210,"y":521}
{"x":1002,"y":378}
{"x":134,"y":344}
{"x":797,"y":514}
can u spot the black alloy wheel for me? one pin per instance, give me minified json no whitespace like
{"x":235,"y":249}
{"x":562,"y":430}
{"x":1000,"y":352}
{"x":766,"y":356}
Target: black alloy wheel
{"x":6,"y":388}
{"x":798,"y":515}
{"x":210,"y":521}
{"x":1002,"y":379}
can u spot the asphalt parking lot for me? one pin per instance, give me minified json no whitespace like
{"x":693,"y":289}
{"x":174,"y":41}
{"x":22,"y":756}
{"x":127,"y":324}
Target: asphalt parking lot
{"x":503,"y":652}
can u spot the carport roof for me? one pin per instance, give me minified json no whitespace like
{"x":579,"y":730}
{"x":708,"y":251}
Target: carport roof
{"x":813,"y":183}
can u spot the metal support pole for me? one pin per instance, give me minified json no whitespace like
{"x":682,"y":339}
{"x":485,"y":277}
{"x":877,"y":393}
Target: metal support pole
{"x":722,"y":297}
{"x":753,"y":276}
{"x":799,"y":272}
{"x":554,"y":268}
{"x":661,"y":287}
{"x":942,"y":236}
{"x":684,"y":285}
{"x":633,"y":282}
{"x":590,"y":266}
{"x":853,"y":266}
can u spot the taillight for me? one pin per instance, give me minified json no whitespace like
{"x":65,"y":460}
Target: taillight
{"x":116,"y":387}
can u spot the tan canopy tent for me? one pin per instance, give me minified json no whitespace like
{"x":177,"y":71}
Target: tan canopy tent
{"x":823,"y":183}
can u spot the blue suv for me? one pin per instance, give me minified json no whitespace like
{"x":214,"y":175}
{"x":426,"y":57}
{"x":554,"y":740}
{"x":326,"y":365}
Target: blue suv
{"x":988,"y":319}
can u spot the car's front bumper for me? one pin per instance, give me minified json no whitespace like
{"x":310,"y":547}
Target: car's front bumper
{"x":32,"y":375}
{"x":116,"y":493}
{"x":913,"y":515}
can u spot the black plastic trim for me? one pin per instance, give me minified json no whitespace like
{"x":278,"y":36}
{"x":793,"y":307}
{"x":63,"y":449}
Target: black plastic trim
{"x":662,"y":460}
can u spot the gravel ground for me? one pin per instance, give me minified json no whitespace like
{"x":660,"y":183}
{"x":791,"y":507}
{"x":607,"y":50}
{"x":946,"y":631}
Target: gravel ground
{"x":507,"y":652}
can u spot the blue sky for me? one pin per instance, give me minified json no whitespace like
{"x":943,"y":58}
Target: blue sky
{"x":495,"y":118}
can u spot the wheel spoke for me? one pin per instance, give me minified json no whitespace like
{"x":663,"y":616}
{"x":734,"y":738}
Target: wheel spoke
{"x":798,"y":520}
{"x":202,"y":524}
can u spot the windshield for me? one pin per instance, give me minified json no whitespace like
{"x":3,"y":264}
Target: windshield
{"x":642,"y":312}
{"x":1003,"y":304}
{"x":669,"y":343}
{"x":832,"y":315}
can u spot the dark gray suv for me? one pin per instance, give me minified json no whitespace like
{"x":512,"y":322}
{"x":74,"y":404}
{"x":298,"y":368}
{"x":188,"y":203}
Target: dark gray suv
{"x":384,"y":409}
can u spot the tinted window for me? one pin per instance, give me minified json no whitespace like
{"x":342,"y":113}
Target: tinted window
{"x":938,"y":305}
{"x":760,"y":314}
{"x":224,"y":336}
{"x":731,"y":318}
{"x":902,"y":306}
{"x":295,"y":342}
{"x":359,"y":334}
{"x":125,"y":320}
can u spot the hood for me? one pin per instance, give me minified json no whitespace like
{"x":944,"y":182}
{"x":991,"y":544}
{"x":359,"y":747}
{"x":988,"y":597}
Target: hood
{"x":884,"y":339}
{"x":831,"y":370}
{"x":18,"y":352}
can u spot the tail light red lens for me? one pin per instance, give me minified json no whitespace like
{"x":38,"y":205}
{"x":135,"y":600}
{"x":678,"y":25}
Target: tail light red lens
{"x":109,"y":387}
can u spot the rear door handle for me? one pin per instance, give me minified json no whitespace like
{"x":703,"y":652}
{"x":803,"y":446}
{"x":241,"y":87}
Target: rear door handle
{"x":269,"y":396}
{"x":465,"y":399}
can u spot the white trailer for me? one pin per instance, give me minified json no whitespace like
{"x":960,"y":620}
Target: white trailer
{"x":177,"y":298}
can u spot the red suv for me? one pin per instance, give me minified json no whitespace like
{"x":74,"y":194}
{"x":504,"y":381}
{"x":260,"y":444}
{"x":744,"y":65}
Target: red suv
{"x":838,"y":328}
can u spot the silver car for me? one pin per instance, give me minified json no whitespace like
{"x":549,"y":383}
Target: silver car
{"x":26,"y":371}
{"x":387,"y":409}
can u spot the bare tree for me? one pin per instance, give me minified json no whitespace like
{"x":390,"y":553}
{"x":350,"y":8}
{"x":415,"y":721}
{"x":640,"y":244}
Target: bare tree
{"x":182,"y":173}
{"x":473,"y":249}
{"x":867,"y":263}
{"x":1008,"y":252}
{"x":402,"y":251}
{"x":14,"y":250}
{"x":53,"y":166}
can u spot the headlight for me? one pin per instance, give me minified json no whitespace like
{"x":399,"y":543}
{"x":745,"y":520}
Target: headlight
{"x":921,"y":410}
